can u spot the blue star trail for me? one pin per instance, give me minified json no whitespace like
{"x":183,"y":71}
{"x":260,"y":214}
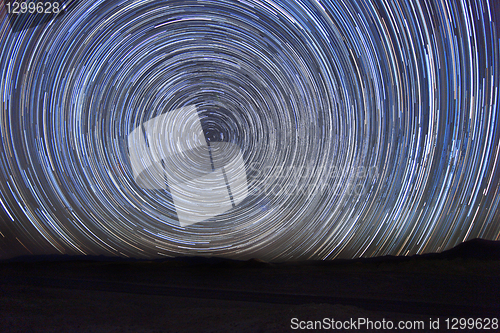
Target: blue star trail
{"x":365,"y":128}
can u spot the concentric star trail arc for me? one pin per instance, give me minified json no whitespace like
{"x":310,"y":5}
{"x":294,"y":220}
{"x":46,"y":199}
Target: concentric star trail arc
{"x":319,"y":129}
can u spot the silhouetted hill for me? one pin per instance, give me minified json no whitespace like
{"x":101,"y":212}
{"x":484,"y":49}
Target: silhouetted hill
{"x":65,"y":257}
{"x":476,"y":248}
{"x":472,"y":249}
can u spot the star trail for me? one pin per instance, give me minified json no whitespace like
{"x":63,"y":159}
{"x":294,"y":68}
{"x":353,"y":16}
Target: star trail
{"x":360,"y":128}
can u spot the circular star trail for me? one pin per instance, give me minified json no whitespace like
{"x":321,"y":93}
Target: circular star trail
{"x":364,"y":128}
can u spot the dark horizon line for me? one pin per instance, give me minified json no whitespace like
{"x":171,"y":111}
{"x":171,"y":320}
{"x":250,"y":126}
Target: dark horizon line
{"x":477,"y":248}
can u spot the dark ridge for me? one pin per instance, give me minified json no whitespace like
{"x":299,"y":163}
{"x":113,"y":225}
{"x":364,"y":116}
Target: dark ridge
{"x":472,"y":249}
{"x":475,"y":249}
{"x":257,"y":263}
{"x":184,"y":261}
{"x":197,"y":260}
{"x":66,"y":257}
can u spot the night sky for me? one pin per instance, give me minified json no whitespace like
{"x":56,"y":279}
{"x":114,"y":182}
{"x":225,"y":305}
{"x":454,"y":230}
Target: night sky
{"x":300,"y":129}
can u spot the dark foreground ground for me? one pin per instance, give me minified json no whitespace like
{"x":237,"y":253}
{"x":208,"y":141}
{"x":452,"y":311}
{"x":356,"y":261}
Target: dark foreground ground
{"x":74,"y":294}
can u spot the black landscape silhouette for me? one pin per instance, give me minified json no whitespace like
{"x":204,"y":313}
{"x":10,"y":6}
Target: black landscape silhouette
{"x":104,"y":294}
